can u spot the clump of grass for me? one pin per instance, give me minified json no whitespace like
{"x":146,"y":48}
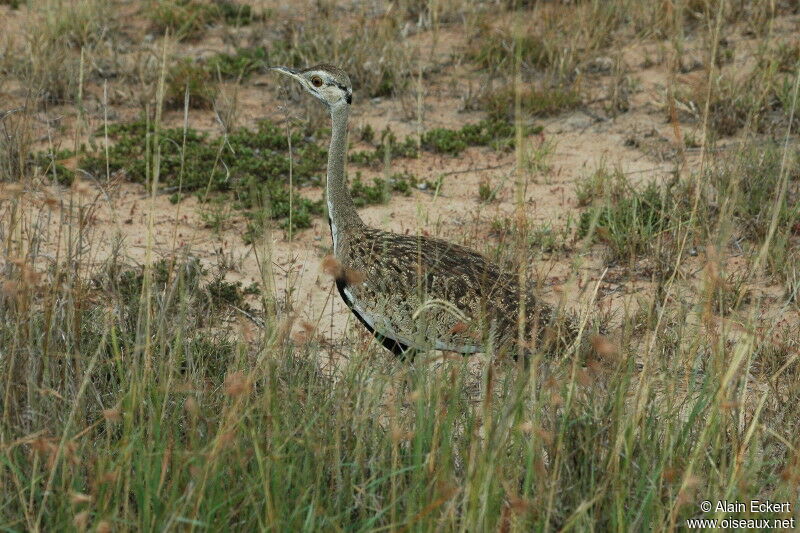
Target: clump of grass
{"x":760,"y":98}
{"x":628,"y":222}
{"x":234,"y":13}
{"x":79,"y":24}
{"x":494,"y":49}
{"x":539,"y":239}
{"x":601,"y":183}
{"x":239,"y":65}
{"x":747,"y":189}
{"x":534,"y":102}
{"x":52,"y":168}
{"x":188,"y":79}
{"x":486,"y":192}
{"x":725,"y":294}
{"x":370,"y":49}
{"x":536,"y":158}
{"x":741,"y":198}
{"x":50,"y":63}
{"x":187,"y":19}
{"x":183,"y":19}
{"x":16,"y":141}
{"x":552,"y":41}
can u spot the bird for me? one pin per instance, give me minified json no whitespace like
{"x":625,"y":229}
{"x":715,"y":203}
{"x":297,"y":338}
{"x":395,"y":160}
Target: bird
{"x":417,"y":293}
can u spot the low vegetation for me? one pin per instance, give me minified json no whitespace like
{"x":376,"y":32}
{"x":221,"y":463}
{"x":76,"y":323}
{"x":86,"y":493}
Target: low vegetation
{"x":151,"y":382}
{"x":187,"y":19}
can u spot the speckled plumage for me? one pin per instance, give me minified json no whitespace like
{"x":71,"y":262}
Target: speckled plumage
{"x":413,"y":292}
{"x":425,"y":293}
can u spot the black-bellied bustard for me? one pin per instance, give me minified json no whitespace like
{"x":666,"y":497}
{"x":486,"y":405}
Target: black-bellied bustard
{"x":413,"y":292}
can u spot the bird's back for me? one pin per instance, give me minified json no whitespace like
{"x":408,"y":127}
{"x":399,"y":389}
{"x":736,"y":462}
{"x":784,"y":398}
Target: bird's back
{"x":425,"y":293}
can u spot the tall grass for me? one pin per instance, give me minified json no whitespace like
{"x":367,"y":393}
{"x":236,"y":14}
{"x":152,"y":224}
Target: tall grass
{"x":160,"y":396}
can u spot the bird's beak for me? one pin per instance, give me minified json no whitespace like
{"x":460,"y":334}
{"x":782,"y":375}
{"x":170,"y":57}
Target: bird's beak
{"x":292,"y":73}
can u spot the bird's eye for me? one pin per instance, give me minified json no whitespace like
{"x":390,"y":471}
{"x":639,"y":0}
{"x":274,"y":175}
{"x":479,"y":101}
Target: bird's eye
{"x":316,"y":81}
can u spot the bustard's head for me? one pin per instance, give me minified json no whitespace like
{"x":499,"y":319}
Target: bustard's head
{"x":329,"y":84}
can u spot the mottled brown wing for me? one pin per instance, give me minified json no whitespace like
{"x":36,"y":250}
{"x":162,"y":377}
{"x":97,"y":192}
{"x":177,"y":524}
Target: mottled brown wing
{"x":428,"y":293}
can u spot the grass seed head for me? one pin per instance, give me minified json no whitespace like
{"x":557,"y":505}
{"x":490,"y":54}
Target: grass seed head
{"x":10,"y":289}
{"x":603,"y":347}
{"x":526,"y":427}
{"x":547,"y":436}
{"x":109,"y":477}
{"x":236,"y":384}
{"x":190,"y":406}
{"x":81,"y":520}
{"x":12,"y":190}
{"x":112,"y":415}
{"x":77,"y":498}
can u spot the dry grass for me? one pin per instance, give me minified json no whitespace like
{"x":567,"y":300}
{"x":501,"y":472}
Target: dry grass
{"x":160,"y":393}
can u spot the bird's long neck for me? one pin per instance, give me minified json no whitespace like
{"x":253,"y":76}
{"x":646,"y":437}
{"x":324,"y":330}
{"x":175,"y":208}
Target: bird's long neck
{"x":342,"y":213}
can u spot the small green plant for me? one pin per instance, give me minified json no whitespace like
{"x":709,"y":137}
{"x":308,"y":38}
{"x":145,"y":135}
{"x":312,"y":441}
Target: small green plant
{"x":53,"y":168}
{"x":536,"y":157}
{"x":629,"y":223}
{"x":496,"y":133}
{"x":546,"y":239}
{"x":239,"y":65}
{"x":387,"y":149}
{"x":486,"y":192}
{"x":222,"y":293}
{"x":250,"y":165}
{"x":402,"y":182}
{"x":216,"y":214}
{"x":380,"y":191}
{"x":363,"y":194}
{"x":270,"y":201}
{"x":601,"y":183}
{"x":367,"y":134}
